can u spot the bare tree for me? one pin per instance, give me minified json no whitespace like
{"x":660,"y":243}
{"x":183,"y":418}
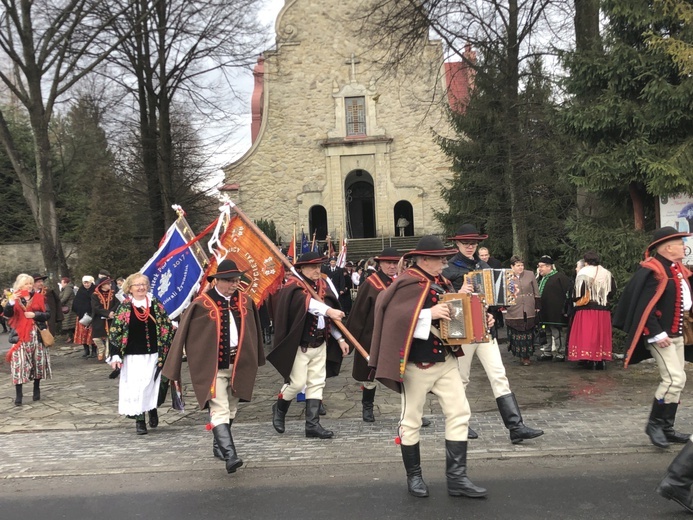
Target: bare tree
{"x":49,"y":47}
{"x":183,"y":52}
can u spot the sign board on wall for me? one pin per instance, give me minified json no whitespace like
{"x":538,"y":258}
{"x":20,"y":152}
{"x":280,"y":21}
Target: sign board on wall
{"x":677,"y":211}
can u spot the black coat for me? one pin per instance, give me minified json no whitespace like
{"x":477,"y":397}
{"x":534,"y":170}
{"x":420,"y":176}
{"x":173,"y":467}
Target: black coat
{"x":554,"y":300}
{"x":81,"y":305}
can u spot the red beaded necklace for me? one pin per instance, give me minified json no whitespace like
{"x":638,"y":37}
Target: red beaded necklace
{"x":142,"y":315}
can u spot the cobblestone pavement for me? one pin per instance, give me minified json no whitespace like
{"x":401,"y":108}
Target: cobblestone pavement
{"x":75,"y":428}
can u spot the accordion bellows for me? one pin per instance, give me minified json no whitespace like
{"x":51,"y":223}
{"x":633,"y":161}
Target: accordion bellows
{"x":499,"y":286}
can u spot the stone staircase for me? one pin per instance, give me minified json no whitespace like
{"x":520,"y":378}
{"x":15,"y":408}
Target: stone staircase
{"x":359,"y":248}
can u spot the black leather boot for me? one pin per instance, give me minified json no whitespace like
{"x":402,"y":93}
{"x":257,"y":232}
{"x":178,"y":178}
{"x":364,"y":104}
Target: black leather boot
{"x":313,"y":426}
{"x":279,"y":410}
{"x":140,"y":427}
{"x":676,"y":484}
{"x":459,"y":484}
{"x":222,"y":434}
{"x":18,"y":398}
{"x":412,"y":463}
{"x":215,"y":447}
{"x":153,"y":418}
{"x":512,"y":418}
{"x":93,"y":351}
{"x":669,"y":417}
{"x":322,"y":410}
{"x":471,"y":434}
{"x":86,"y":351}
{"x":656,"y":424}
{"x":367,"y":398}
{"x":37,"y":390}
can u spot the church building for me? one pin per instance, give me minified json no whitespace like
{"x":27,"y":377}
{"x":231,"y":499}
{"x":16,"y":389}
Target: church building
{"x":343,"y":145}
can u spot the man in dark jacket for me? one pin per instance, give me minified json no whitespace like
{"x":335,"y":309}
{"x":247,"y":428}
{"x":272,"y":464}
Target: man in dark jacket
{"x":304,"y":350}
{"x":554,"y":290}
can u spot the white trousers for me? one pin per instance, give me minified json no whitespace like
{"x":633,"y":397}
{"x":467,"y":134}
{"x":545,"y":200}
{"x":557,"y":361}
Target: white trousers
{"x":224,"y":406}
{"x":670,"y":362}
{"x":443,"y":380}
{"x":490,"y":357}
{"x":309,"y":372}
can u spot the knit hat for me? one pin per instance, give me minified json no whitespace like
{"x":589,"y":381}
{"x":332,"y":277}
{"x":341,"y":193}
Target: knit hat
{"x":87,"y":278}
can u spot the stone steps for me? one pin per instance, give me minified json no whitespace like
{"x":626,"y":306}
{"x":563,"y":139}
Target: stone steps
{"x":359,"y":248}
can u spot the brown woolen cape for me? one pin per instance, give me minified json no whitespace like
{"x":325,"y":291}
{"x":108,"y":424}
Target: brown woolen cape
{"x":397,"y":312}
{"x":289,"y":318}
{"x":199,"y":332}
{"x":360,"y":322}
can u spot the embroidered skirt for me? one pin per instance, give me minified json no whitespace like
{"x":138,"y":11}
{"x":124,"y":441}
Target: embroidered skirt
{"x":590,"y":336}
{"x":30,"y":361}
{"x":82,"y":334}
{"x":138,"y":390}
{"x":521,"y":342}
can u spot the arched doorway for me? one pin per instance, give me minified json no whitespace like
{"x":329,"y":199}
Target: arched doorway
{"x":403,"y":209}
{"x":317,"y":222}
{"x":360,"y":204}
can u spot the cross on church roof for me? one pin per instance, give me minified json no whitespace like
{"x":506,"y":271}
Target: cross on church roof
{"x":352,"y":61}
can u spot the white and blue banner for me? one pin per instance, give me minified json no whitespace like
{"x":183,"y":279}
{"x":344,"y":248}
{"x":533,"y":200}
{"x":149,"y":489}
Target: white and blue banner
{"x":175,"y":282}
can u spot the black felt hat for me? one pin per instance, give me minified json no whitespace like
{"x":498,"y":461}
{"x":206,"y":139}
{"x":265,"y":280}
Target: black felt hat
{"x":38,"y":277}
{"x":468,"y":232}
{"x":310,"y":258}
{"x":389,"y":254}
{"x":546,"y":259}
{"x":226,"y":269}
{"x":665,"y":234}
{"x":430,"y":245}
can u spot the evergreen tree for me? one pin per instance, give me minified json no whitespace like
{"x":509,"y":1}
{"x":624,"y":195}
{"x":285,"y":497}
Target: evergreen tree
{"x":480,"y":191}
{"x":631,"y":107}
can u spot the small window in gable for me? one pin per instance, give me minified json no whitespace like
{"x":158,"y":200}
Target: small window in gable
{"x":355,"y":116}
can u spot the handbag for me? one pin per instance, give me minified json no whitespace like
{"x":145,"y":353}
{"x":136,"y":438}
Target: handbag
{"x":85,"y":320}
{"x":584,"y":300}
{"x":46,"y":337}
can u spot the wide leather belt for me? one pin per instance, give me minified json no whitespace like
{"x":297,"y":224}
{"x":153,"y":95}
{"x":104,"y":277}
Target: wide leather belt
{"x":313,"y":344}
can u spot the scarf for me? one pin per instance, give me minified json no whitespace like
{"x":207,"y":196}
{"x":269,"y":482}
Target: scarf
{"x":543,"y":281}
{"x":597,"y":280}
{"x":21,"y":323}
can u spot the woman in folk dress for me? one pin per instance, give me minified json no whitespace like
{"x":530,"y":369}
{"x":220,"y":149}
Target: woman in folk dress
{"x":139,"y":340}
{"x":29,"y":359}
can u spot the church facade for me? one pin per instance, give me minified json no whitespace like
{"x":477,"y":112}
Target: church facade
{"x":340,"y":144}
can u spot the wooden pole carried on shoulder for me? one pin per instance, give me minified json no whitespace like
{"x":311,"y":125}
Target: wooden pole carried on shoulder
{"x":349,"y":337}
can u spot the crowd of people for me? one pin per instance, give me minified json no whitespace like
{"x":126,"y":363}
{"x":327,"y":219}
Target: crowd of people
{"x":393,"y":309}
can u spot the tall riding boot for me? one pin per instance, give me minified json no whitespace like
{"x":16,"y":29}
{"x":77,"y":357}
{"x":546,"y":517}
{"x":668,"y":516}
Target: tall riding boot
{"x":215,"y":446}
{"x":93,"y":351}
{"x":86,"y":351}
{"x":411,"y":457}
{"x":669,"y":417}
{"x":279,"y":410}
{"x":510,"y":412}
{"x":367,"y":398}
{"x":18,"y":399}
{"x":313,"y":426}
{"x":656,"y":424}
{"x":140,"y":425}
{"x":676,"y":484}
{"x":222,"y":434}
{"x":459,"y":484}
{"x":37,"y":390}
{"x":153,"y":418}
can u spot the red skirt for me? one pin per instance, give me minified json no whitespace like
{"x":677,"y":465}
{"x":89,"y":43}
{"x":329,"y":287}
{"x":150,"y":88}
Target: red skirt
{"x":82,"y":334}
{"x":590,"y":336}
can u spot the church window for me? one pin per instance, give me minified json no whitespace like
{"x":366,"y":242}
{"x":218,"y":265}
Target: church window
{"x":355,"y":116}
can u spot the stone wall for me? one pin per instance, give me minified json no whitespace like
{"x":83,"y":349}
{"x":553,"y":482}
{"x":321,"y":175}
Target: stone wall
{"x":301,"y":157}
{"x":26,"y":258}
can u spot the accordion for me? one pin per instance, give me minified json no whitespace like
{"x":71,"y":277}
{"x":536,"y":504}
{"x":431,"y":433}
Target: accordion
{"x":467,"y":319}
{"x":499,"y":286}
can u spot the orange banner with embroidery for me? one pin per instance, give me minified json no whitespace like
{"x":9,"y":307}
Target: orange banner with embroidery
{"x":264,"y":272}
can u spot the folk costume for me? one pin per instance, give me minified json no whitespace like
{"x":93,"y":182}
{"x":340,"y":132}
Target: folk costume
{"x":360,"y":324}
{"x":139,"y":338}
{"x":81,"y":306}
{"x":67,"y":296}
{"x":305,"y":351}
{"x":409,"y":358}
{"x":554,"y":289}
{"x":590,"y":332}
{"x":521,"y":318}
{"x":488,"y":353}
{"x":652,"y":308}
{"x":103,"y":303}
{"x":29,"y":358}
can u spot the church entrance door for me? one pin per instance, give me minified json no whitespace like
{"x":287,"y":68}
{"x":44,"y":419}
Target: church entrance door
{"x":360,"y":204}
{"x":317,"y":222}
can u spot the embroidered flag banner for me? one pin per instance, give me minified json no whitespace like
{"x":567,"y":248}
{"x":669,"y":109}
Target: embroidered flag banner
{"x":264,"y":271}
{"x":305,"y":245}
{"x":341,"y":259}
{"x":176,"y":280}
